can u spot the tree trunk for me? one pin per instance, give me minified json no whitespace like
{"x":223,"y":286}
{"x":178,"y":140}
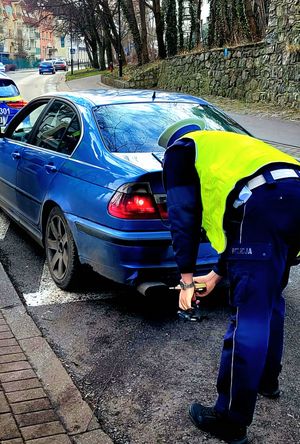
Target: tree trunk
{"x":192,"y":38}
{"x":228,"y":23}
{"x":171,"y":27}
{"x":249,"y":10}
{"x":198,"y":29}
{"x":110,"y":29}
{"x":101,"y":52}
{"x":180,"y":25}
{"x":144,"y":36}
{"x":108,"y":50}
{"x":88,"y":50}
{"x":129,"y":13}
{"x":159,"y":25}
{"x":94,"y":54}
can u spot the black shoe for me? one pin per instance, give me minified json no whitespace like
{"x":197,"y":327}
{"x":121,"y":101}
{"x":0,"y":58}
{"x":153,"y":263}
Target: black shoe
{"x":270,"y":393}
{"x":270,"y":389}
{"x":269,"y":384}
{"x":207,"y":419}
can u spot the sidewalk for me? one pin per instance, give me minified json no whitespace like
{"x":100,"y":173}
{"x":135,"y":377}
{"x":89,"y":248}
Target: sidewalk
{"x":39,"y":403}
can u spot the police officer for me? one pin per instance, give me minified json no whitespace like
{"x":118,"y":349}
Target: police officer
{"x":246,"y":195}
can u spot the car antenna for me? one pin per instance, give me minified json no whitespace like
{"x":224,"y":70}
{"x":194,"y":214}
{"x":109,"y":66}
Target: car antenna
{"x":154,"y":95}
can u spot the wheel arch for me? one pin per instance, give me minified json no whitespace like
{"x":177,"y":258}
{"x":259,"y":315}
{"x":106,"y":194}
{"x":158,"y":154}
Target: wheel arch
{"x":46,"y":211}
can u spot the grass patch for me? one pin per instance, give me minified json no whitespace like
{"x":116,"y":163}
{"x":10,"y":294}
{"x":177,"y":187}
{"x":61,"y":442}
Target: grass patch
{"x":130,"y":71}
{"x":81,"y":73}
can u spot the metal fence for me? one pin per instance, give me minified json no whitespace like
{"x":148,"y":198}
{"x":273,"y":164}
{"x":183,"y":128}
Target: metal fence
{"x":19,"y":63}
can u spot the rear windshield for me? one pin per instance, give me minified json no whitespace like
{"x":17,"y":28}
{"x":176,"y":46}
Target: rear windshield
{"x":136,"y":127}
{"x":46,"y":64}
{"x":8,"y":88}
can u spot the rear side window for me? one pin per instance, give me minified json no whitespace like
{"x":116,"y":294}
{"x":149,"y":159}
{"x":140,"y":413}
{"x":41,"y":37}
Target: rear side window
{"x":8,"y":88}
{"x":59,"y":129}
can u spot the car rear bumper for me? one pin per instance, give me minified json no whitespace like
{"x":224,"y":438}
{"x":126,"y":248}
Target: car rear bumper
{"x":132,"y":257}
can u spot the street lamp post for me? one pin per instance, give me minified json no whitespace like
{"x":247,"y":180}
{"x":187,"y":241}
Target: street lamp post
{"x":120,"y":39}
{"x":71,"y":50}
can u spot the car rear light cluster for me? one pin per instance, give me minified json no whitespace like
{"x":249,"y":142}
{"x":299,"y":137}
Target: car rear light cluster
{"x":17,"y":105}
{"x":136,"y":201}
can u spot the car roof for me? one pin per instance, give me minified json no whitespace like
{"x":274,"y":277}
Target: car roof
{"x":95,"y":97}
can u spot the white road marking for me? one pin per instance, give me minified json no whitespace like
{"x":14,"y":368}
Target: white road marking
{"x":4,"y":224}
{"x":49,"y":293}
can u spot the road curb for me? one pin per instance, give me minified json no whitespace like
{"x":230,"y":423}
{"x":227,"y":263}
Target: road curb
{"x":77,"y":418}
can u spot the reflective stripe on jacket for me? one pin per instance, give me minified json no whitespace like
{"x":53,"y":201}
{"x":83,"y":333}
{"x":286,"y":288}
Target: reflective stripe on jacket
{"x":222,"y":159}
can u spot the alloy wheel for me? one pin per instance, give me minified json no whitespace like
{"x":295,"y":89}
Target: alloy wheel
{"x":57,"y":247}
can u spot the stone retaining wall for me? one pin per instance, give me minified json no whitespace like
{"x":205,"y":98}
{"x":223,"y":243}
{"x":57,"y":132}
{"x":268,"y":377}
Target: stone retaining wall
{"x":257,"y":72}
{"x":268,"y":71}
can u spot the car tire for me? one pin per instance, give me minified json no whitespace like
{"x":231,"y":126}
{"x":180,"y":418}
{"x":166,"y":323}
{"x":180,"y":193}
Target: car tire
{"x":61,"y":251}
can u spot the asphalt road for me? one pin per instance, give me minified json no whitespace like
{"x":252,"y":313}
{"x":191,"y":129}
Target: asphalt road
{"x":31,"y":84}
{"x":135,"y":363}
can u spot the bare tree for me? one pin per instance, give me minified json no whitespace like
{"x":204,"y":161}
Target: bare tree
{"x":198,"y":22}
{"x":170,"y":11}
{"x":177,"y":24}
{"x":144,"y":38}
{"x":98,"y":29}
{"x":129,"y":13}
{"x":155,"y":6}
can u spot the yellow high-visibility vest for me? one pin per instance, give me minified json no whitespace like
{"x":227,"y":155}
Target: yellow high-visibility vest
{"x":222,"y":159}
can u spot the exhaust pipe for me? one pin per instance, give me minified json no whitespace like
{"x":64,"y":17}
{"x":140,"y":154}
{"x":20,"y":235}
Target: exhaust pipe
{"x":148,"y":288}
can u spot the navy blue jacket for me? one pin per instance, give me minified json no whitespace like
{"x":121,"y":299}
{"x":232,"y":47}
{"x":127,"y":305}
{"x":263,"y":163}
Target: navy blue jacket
{"x":184,"y":203}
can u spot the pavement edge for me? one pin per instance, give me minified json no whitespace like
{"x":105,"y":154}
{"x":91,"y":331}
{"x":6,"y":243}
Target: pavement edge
{"x":79,"y":420}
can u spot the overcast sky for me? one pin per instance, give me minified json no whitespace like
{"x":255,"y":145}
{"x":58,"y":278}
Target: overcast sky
{"x":205,"y":11}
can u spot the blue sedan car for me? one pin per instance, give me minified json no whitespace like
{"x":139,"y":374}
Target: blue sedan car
{"x":46,"y":67}
{"x":82,"y":173}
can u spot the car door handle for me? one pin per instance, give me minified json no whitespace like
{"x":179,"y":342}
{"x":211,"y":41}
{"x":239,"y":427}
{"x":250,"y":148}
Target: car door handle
{"x":51,"y":168}
{"x":16,"y":155}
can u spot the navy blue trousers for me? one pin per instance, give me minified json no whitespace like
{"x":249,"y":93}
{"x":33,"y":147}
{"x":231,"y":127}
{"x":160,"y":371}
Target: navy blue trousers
{"x":263,"y":235}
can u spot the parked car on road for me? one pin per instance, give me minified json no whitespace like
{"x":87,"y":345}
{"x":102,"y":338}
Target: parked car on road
{"x":81,"y":172}
{"x":10,"y":99}
{"x":46,"y":67}
{"x":60,"y":64}
{"x":2,"y":67}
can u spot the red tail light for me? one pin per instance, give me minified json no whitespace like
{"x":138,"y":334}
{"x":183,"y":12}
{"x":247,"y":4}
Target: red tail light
{"x":161,"y":202}
{"x":17,"y":105}
{"x":135,"y":201}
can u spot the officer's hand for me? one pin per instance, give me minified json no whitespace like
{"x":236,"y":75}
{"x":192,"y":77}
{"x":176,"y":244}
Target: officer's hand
{"x":210,"y":280}
{"x":185,"y":298}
